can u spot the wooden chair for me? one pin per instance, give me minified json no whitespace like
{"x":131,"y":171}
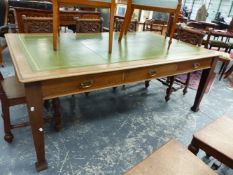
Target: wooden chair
{"x":170,"y":6}
{"x":12,"y":93}
{"x":89,"y":25}
{"x":215,"y":140}
{"x":191,"y":36}
{"x":218,"y":39}
{"x":171,"y":159}
{"x":91,"y":3}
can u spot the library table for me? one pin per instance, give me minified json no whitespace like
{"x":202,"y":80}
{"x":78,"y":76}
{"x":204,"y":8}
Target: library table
{"x":82,"y":64}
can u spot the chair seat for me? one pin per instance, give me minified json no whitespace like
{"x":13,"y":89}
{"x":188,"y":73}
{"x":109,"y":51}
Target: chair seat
{"x":170,"y":4}
{"x":13,"y":88}
{"x":171,"y":159}
{"x":218,"y":136}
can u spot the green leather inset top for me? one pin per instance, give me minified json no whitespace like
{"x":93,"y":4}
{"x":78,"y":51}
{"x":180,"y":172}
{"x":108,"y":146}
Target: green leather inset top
{"x":92,"y":49}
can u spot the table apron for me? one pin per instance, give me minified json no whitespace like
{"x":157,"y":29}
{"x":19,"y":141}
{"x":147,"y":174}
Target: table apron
{"x":86,"y":83}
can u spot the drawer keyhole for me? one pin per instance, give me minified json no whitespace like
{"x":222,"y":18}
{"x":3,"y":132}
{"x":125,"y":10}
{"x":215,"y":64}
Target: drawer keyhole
{"x":152,"y":73}
{"x":86,"y":84}
{"x":196,"y":65}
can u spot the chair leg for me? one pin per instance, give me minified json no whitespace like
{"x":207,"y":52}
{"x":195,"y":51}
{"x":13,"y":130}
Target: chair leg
{"x":168,"y":25}
{"x":58,"y":19}
{"x":57,"y":115}
{"x":193,"y":147}
{"x":111,"y":27}
{"x":55,"y":23}
{"x":1,"y":57}
{"x":147,"y":83}
{"x":223,"y":70}
{"x":187,"y":83}
{"x":7,"y":123}
{"x":169,"y":89}
{"x":126,"y":21}
{"x":46,"y":104}
{"x":228,"y":73}
{"x":173,"y":27}
{"x":129,"y":21}
{"x":222,"y":66}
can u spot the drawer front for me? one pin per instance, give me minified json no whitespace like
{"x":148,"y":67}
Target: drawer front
{"x":190,"y":66}
{"x":150,"y":72}
{"x":72,"y":85}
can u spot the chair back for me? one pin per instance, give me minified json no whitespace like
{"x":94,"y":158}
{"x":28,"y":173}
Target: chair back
{"x":89,"y":25}
{"x":190,"y":36}
{"x":37,"y":24}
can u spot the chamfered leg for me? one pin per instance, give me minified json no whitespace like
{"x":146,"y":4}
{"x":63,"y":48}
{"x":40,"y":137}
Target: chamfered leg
{"x":34,"y":104}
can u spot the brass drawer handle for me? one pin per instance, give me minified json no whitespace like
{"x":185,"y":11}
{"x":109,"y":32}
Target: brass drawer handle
{"x":196,"y":65}
{"x":86,"y":84}
{"x":152,"y":73}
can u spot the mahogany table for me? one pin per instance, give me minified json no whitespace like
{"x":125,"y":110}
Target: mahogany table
{"x":82,"y":64}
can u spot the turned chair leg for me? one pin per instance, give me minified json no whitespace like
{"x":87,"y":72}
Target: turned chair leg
{"x":169,"y":89}
{"x":187,"y":83}
{"x":57,"y":115}
{"x":147,"y":83}
{"x":7,"y":123}
{"x":111,"y":28}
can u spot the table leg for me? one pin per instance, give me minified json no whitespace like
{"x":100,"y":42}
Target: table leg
{"x":205,"y":78}
{"x":34,"y":104}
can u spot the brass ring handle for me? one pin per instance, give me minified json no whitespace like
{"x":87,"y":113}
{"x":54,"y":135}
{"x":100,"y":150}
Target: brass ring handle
{"x":196,"y":65}
{"x":152,"y":73}
{"x":86,"y":84}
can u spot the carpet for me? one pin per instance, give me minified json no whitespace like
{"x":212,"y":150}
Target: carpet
{"x":195,"y":79}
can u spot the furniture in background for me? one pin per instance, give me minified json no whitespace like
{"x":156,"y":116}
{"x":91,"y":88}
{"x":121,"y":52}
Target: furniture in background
{"x":76,"y":72}
{"x":89,"y":25}
{"x":37,"y":24}
{"x":202,"y":25}
{"x":171,"y":158}
{"x":154,"y":25}
{"x":215,"y":140}
{"x":220,"y":40}
{"x":110,"y":4}
{"x":132,"y":26}
{"x":12,"y":93}
{"x":170,"y":6}
{"x":66,"y":16}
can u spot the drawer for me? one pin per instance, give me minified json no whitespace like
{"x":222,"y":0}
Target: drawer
{"x":150,"y":72}
{"x":190,"y":66}
{"x":72,"y":85}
